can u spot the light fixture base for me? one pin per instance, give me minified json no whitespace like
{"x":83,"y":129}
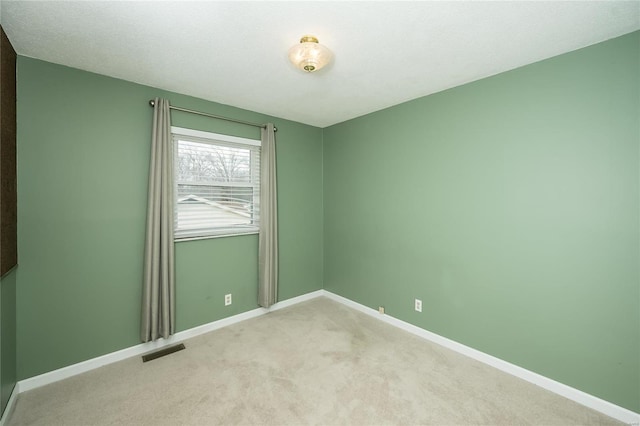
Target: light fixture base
{"x":308,"y":39}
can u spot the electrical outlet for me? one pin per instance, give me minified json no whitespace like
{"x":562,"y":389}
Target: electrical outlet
{"x":227,"y":299}
{"x":418,"y":305}
{"x":381,"y":309}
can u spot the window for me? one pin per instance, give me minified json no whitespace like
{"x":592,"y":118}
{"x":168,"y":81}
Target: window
{"x":217,"y":189}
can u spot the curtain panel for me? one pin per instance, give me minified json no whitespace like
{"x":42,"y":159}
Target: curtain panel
{"x":268,"y":237}
{"x":158,"y":292}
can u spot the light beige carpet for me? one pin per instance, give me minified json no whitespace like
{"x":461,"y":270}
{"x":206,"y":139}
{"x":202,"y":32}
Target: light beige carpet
{"x":317,"y":362}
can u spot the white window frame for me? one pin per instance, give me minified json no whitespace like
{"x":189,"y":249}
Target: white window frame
{"x":224,"y":140}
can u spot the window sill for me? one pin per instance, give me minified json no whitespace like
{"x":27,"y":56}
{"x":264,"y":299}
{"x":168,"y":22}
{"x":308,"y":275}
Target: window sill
{"x":207,"y":237}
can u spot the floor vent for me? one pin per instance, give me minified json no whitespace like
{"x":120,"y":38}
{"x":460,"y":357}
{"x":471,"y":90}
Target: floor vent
{"x":162,"y":352}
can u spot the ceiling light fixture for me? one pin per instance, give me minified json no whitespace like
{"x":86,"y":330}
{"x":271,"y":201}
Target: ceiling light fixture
{"x":309,"y":55}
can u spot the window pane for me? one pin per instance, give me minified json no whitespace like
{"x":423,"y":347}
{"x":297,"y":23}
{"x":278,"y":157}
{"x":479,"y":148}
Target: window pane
{"x":221,"y":205}
{"x":217,"y":187}
{"x":199,"y":162}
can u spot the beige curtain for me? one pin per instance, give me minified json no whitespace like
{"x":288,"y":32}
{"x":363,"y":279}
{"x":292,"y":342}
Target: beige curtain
{"x":268,"y":244}
{"x":158,"y":292}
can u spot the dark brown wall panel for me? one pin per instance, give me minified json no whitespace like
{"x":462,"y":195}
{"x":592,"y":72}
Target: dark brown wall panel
{"x":8,"y":180}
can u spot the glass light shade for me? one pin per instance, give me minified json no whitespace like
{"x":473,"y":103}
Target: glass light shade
{"x":309,"y":55}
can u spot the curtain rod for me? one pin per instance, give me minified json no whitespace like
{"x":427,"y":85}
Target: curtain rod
{"x":153,"y":103}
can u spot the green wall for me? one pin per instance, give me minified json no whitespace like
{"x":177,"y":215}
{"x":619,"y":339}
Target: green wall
{"x":8,"y":376}
{"x":83,"y":154}
{"x":510,"y":206}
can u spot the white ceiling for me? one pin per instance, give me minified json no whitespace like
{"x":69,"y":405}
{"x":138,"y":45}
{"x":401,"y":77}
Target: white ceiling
{"x":235,"y":52}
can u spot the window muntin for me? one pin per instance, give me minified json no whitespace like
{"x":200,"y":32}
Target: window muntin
{"x":217,"y":184}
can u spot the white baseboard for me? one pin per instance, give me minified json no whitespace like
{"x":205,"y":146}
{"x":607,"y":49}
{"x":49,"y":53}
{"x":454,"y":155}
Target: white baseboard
{"x":296,"y":300}
{"x":11,"y":404}
{"x":605,"y":407}
{"x":143,"y":348}
{"x":583,"y":398}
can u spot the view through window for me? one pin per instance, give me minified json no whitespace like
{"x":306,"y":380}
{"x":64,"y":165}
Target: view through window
{"x":217,"y":189}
